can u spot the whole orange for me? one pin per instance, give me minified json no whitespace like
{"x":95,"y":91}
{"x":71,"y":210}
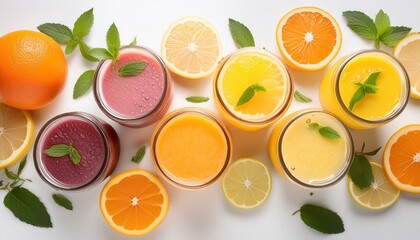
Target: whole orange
{"x":33,"y":69}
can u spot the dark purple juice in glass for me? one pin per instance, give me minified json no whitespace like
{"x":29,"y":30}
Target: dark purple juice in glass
{"x":96,"y":142}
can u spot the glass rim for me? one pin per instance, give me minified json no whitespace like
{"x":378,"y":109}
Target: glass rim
{"x":111,"y":113}
{"x":37,"y":155}
{"x":207,"y":114}
{"x":286,"y":101}
{"x":339,"y":174}
{"x":404,"y":79}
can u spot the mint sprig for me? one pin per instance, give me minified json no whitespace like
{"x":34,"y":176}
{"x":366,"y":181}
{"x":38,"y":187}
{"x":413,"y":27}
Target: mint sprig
{"x":321,"y":219}
{"x":241,"y":34}
{"x":366,"y":87}
{"x":360,"y":170}
{"x":325,"y":131}
{"x":61,"y":150}
{"x":249,"y":93}
{"x":379,"y":30}
{"x":132,"y":69}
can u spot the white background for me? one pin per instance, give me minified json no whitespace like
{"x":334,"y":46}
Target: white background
{"x":206,"y":214}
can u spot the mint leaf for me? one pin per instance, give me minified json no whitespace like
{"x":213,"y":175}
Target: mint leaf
{"x":197,"y":99}
{"x":329,"y":132}
{"x":361,"y":24}
{"x":58,"y":150}
{"x":301,"y":98}
{"x":84,"y":50}
{"x":249,"y":93}
{"x":83,"y":84}
{"x":139,"y":154}
{"x":241,"y":34}
{"x":366,"y":87}
{"x":357,"y":97}
{"x":132,"y":69}
{"x":372,"y":153}
{"x":382,"y":22}
{"x":321,"y":219}
{"x":83,"y":24}
{"x":62,"y":201}
{"x":10,"y":175}
{"x":393,"y":34}
{"x":70,"y":47}
{"x":113,"y":41}
{"x":314,"y":125}
{"x":22,"y":165}
{"x":27,"y":207}
{"x":361,"y":172}
{"x":372,"y":78}
{"x":100,"y":53}
{"x":74,"y":155}
{"x":134,"y":42}
{"x":59,"y":32}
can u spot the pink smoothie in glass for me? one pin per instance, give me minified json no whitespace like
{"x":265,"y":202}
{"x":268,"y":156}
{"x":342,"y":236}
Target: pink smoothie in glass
{"x":98,"y":146}
{"x":134,"y":101}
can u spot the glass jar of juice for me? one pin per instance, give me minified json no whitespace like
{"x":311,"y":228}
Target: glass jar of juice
{"x":379,"y":103}
{"x":260,"y":77}
{"x":95,"y":141}
{"x":311,"y":148}
{"x":133,"y":101}
{"x":191,"y":148}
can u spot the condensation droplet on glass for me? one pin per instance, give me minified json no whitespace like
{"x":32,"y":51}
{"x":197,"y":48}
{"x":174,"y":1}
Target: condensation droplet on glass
{"x":292,"y":167}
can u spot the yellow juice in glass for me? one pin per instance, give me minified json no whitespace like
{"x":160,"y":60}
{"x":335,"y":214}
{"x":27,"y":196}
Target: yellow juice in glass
{"x":374,"y":109}
{"x":191,"y":148}
{"x":242,"y":70}
{"x":302,"y":151}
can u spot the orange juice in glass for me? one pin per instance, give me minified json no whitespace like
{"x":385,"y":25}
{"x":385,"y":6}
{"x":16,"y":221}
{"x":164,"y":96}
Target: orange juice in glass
{"x":311,"y":148}
{"x":259,"y":73}
{"x":382,"y":100}
{"x":191,"y":148}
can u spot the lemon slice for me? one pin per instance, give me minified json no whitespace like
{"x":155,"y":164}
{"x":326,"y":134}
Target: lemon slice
{"x":381,"y":193}
{"x":191,"y":48}
{"x":247,"y":183}
{"x":407,"y":51}
{"x":17,"y":133}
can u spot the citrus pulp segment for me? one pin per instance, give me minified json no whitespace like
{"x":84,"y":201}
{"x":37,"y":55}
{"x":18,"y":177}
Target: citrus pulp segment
{"x":247,"y":183}
{"x":191,"y":47}
{"x":134,"y":202}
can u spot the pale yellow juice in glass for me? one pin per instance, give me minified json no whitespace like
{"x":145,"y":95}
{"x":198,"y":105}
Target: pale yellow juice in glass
{"x":191,"y":148}
{"x":374,"y":109}
{"x":301,"y":153}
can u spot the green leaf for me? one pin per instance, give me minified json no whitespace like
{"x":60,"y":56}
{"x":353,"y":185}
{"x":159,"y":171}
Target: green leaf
{"x":113,"y":40}
{"x":139,"y":154}
{"x":361,"y":24}
{"x":358,"y":96}
{"x":74,"y":155}
{"x":370,"y":88}
{"x":58,"y":150}
{"x":393,"y":34}
{"x":329,"y":132}
{"x":70,"y":47}
{"x":59,"y":32}
{"x":314,"y":125}
{"x":62,"y":201}
{"x":372,"y":78}
{"x":241,"y":34}
{"x":83,"y":84}
{"x":27,"y":207}
{"x":100,"y":53}
{"x":361,"y":172}
{"x":132,"y":69}
{"x":382,"y":22}
{"x":301,"y":98}
{"x":249,"y":93}
{"x":10,"y":175}
{"x":372,"y":153}
{"x":84,"y":50}
{"x":197,"y":99}
{"x":83,"y":24}
{"x":321,"y":219}
{"x":134,"y":42}
{"x":22,"y":165}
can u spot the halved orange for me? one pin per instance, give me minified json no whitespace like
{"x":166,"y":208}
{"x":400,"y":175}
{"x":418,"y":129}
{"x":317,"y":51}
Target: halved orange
{"x":401,"y":158}
{"x":134,"y":202}
{"x":308,"y":38}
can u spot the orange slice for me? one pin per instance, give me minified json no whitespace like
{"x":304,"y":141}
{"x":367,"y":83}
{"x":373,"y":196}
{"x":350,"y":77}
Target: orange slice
{"x":401,"y":158}
{"x":191,"y":48}
{"x":308,"y":38}
{"x":134,"y":202}
{"x":17,"y":133}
